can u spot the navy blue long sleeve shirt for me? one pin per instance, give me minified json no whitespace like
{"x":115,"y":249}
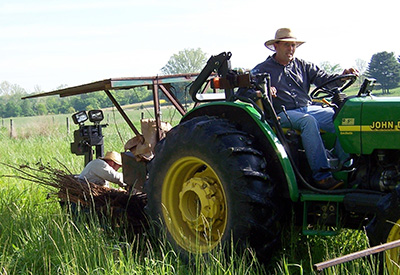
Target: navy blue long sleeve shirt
{"x":292,"y":81}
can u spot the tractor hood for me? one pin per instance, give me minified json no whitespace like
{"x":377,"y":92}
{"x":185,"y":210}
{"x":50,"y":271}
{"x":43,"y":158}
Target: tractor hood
{"x":365,"y":124}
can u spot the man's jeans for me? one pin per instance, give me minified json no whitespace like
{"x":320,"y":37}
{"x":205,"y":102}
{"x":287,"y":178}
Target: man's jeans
{"x":309,"y":120}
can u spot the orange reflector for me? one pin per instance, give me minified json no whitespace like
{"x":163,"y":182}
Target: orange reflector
{"x":216,"y":83}
{"x":326,"y":101}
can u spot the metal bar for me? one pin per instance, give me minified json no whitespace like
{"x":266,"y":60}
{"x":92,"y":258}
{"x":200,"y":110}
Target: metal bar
{"x":124,"y":83}
{"x":173,"y":99}
{"x":347,"y":258}
{"x":123,"y":114}
{"x":117,"y":83}
{"x":157,"y":111}
{"x":202,"y":92}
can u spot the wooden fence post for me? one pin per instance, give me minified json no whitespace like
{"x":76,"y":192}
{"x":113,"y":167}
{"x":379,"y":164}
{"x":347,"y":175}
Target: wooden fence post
{"x":11,"y":128}
{"x":67,"y":125}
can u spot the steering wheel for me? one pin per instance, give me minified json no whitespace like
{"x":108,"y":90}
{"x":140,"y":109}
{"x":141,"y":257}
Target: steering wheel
{"x":321,"y":91}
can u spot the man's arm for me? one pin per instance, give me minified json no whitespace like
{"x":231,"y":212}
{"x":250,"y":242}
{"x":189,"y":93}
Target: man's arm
{"x":319,"y":76}
{"x":109,"y":174}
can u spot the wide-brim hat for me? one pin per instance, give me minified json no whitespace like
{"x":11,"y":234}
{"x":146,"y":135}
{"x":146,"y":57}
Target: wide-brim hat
{"x":283,"y":34}
{"x":114,"y":156}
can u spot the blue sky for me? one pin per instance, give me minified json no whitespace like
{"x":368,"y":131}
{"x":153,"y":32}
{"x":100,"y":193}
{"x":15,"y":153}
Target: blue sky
{"x":48,"y":43}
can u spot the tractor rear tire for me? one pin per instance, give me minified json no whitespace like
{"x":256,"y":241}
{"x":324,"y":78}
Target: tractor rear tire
{"x":210,"y":187}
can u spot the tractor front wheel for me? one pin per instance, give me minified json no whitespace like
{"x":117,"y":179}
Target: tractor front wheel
{"x":392,"y":256}
{"x":385,"y":229}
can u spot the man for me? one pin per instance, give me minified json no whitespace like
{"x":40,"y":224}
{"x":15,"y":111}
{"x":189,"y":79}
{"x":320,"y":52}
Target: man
{"x":103,"y":170}
{"x":290,"y":84}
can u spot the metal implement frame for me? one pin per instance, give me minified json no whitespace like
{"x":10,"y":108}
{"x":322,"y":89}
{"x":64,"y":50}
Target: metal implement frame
{"x":156,"y":83}
{"x":319,"y":267}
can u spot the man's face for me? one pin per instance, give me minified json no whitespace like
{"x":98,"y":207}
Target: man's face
{"x":114,"y":165}
{"x":285,"y":51}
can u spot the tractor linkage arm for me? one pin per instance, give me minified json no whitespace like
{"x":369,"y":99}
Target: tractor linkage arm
{"x":224,"y":78}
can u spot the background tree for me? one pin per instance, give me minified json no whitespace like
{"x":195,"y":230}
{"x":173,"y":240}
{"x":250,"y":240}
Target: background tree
{"x":186,"y":61}
{"x":41,"y":109}
{"x":8,"y":89}
{"x":330,"y":68}
{"x":361,"y":66}
{"x":13,"y":109}
{"x":27,"y":108}
{"x":385,"y":69}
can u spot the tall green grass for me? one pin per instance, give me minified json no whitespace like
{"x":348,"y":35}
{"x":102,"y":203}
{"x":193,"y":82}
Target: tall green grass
{"x":37,"y":236}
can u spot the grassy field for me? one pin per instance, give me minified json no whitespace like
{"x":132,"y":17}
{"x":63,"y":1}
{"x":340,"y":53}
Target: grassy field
{"x":38,"y":237}
{"x":353,"y":90}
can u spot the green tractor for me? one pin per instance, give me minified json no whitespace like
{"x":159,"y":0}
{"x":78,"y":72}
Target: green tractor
{"x":229,"y":172}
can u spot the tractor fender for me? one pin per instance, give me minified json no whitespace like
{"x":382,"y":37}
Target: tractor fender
{"x":250,"y":121}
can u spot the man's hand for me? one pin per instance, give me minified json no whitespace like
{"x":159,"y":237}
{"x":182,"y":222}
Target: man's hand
{"x":351,"y":71}
{"x":274,"y":91}
{"x":123,"y":185}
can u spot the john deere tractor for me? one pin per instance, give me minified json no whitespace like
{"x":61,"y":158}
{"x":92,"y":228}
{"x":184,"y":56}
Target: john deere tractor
{"x":229,"y":172}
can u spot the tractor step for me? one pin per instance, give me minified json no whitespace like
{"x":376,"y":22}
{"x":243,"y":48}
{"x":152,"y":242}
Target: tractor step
{"x":321,"y":214}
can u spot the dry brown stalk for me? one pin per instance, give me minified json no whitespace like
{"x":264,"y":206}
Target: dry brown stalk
{"x":67,"y":188}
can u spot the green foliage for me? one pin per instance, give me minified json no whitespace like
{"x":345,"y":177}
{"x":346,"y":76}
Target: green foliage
{"x":41,"y":109}
{"x":385,"y":69}
{"x":39,"y":237}
{"x":186,"y":61}
{"x":13,"y":109}
{"x":330,"y":68}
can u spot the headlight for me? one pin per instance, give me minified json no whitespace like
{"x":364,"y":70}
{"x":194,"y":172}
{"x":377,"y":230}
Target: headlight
{"x":96,"y":115}
{"x":79,"y":117}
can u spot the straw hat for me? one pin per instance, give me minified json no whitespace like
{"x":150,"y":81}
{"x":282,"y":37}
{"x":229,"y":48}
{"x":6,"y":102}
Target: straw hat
{"x":283,"y":34}
{"x":114,"y":156}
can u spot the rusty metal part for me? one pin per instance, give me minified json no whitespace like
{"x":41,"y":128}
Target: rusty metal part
{"x":123,"y":114}
{"x":172,"y":98}
{"x":118,"y":84}
{"x":154,"y":82}
{"x":157,"y":113}
{"x":319,"y":267}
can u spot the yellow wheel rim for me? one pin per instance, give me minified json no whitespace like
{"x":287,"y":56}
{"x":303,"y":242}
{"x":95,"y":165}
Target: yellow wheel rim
{"x":392,"y":256}
{"x":194,"y":205}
